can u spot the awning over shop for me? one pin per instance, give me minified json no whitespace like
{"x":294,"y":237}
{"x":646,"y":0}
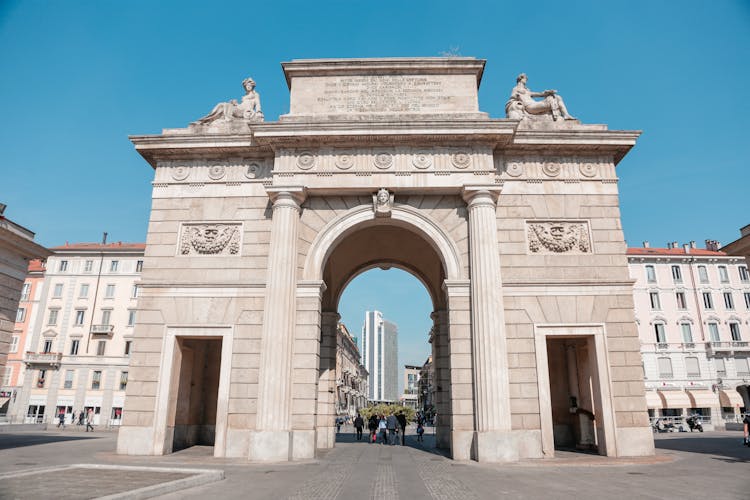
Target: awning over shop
{"x":4,"y":401}
{"x":653,"y":401}
{"x":675,"y":399}
{"x":732,"y":398}
{"x":702,"y":399}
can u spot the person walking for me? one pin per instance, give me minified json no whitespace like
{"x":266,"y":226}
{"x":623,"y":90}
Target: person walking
{"x":372,"y":426}
{"x":80,"y":418}
{"x":392,"y":424}
{"x":383,"y":429}
{"x":420,"y":431}
{"x":61,"y":418}
{"x":402,"y":423}
{"x":358,"y":425}
{"x":746,"y":428}
{"x":90,"y":420}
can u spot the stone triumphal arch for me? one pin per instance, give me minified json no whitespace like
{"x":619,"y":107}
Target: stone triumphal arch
{"x":511,"y":224}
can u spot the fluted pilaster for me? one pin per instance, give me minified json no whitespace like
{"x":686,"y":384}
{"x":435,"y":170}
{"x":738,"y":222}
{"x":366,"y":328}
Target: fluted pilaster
{"x":489,"y":345}
{"x":279,"y":314}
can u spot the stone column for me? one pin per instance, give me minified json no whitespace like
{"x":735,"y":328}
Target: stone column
{"x":493,"y":440}
{"x":326,"y":409}
{"x":271,"y":441}
{"x":441,"y":364}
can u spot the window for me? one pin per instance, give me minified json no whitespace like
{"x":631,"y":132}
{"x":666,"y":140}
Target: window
{"x":713,"y":330}
{"x":654,"y":297}
{"x":96,"y":380}
{"x":52,"y":319}
{"x":681,"y":304}
{"x":723,"y":275}
{"x":131,"y":317}
{"x":80,"y":316}
{"x":26,"y":290}
{"x":650,"y":274}
{"x":74,"y":347}
{"x":744,"y":276}
{"x":708,"y":302}
{"x":113,"y":265}
{"x":703,"y":274}
{"x":721,"y":369}
{"x":134,"y":291}
{"x":7,"y":375}
{"x":47,"y":346}
{"x":687,"y":333}
{"x":63,"y":266}
{"x":68,"y":384}
{"x":123,"y":380}
{"x":128,"y":346}
{"x":14,"y":344}
{"x":734,"y":329}
{"x":661,"y":336}
{"x":747,"y":299}
{"x":20,"y":314}
{"x":84,"y":292}
{"x":41,"y":379}
{"x":87,"y":266}
{"x":110,"y":291}
{"x":742,"y":366}
{"x":665,"y":367}
{"x":139,"y":266}
{"x":101,"y":346}
{"x":57,"y":292}
{"x":692,"y":367}
{"x":106,"y":313}
{"x":676,"y":274}
{"x":728,"y":301}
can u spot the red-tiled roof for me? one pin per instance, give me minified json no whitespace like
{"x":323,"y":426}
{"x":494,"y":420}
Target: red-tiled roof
{"x":675,"y":251}
{"x":119,"y":245}
{"x":36,"y":265}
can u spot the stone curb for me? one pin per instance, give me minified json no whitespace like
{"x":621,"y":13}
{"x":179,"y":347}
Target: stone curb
{"x":198,"y":477}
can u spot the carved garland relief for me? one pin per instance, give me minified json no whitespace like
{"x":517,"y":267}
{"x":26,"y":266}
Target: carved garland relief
{"x":556,"y":237}
{"x":210,"y":239}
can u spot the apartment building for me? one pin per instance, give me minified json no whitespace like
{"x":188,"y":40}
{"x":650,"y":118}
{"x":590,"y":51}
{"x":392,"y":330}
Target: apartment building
{"x":78,"y":342}
{"x":351,"y":376}
{"x":692,"y":307}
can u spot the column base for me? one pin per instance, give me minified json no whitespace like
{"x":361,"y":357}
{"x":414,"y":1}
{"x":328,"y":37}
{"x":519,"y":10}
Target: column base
{"x":461,"y":445}
{"x":134,"y":440}
{"x":303,"y":445}
{"x":325,"y":437}
{"x":495,"y":446}
{"x":635,"y":442}
{"x":270,"y":446}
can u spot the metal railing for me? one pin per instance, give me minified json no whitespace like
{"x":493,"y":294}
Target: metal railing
{"x":102,"y":329}
{"x":42,"y":358}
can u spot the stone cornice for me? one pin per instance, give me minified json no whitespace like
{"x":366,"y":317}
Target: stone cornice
{"x":584,"y":138}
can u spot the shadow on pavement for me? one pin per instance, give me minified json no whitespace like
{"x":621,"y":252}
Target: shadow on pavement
{"x":427,"y":446}
{"x":731,"y":448}
{"x":8,"y":441}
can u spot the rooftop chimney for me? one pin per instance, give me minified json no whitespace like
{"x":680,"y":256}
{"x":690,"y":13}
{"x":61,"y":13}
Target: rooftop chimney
{"x":712,"y":245}
{"x":104,"y":239}
{"x":692,"y":244}
{"x":646,"y":244}
{"x":686,"y":247}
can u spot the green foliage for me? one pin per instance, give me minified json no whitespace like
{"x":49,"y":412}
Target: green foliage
{"x":387,"y":409}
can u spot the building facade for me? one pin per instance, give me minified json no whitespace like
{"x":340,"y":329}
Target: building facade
{"x":512,"y":225}
{"x":410,"y":397}
{"x":740,"y":246}
{"x":26,"y":318}
{"x":426,"y":387}
{"x":692,"y":308}
{"x":17,"y":249}
{"x":351,"y":376}
{"x":79,"y":340}
{"x":380,"y":357}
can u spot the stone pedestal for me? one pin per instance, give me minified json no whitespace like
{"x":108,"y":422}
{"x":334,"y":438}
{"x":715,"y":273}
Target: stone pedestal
{"x":271,"y":441}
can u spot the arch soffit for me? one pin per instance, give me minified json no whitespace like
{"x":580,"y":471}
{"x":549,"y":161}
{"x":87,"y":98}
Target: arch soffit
{"x":408,"y":217}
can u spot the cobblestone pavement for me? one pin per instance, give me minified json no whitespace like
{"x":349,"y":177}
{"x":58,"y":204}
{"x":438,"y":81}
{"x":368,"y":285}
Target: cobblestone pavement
{"x":709,"y":465}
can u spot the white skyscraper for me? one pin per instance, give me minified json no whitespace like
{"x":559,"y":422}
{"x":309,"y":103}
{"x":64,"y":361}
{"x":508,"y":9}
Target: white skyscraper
{"x":380,"y":356}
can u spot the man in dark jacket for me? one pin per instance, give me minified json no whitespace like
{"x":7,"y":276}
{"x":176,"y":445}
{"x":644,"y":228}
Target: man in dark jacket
{"x":372,"y":426}
{"x":358,"y":424}
{"x":402,"y":423}
{"x":391,"y":424}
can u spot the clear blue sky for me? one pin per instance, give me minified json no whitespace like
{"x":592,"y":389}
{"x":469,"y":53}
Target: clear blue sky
{"x":79,"y":77}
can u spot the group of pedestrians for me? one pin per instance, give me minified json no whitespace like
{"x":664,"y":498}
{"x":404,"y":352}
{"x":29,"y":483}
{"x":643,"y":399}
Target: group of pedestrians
{"x":388,"y":428}
{"x":87,"y":418}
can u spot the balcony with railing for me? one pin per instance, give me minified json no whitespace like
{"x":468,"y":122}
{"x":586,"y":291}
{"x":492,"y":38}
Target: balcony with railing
{"x":713,"y":348}
{"x":671,"y":346}
{"x":43,"y":358}
{"x":102,"y":329}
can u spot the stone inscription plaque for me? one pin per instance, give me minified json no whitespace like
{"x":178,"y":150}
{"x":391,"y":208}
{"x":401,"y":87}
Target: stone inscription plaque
{"x":384,"y":94}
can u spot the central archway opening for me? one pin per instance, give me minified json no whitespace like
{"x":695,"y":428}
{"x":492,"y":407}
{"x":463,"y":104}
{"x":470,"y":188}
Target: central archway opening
{"x":384,"y":290}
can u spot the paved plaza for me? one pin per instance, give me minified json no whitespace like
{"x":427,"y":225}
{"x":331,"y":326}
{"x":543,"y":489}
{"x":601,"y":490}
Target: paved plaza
{"x":686,"y":466}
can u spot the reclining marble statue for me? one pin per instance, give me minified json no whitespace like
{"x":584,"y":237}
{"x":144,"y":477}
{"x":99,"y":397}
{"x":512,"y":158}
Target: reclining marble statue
{"x":522,"y":105}
{"x":248,"y":110}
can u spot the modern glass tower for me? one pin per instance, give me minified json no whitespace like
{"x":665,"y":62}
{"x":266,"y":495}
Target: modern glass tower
{"x":380,"y":356}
